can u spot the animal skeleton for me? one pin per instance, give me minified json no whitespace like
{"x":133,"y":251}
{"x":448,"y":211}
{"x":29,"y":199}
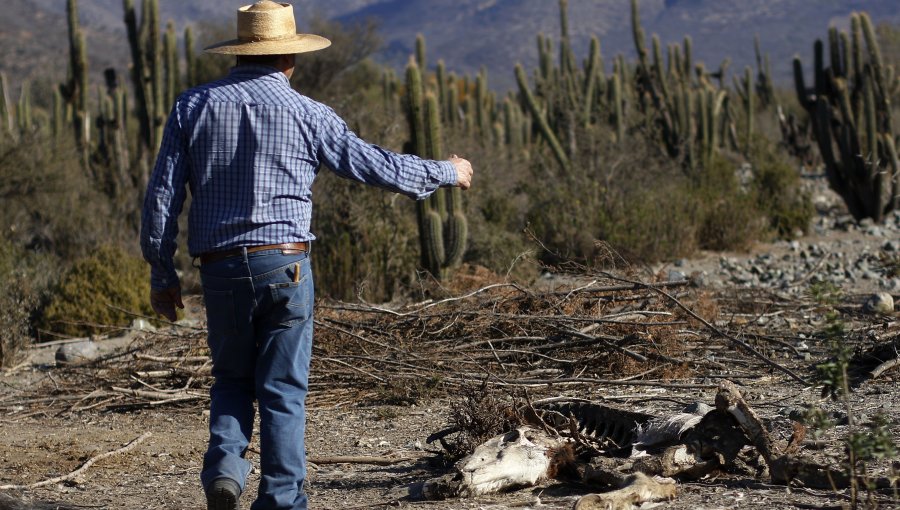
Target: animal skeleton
{"x":625,"y":448}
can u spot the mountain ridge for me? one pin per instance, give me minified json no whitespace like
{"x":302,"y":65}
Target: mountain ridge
{"x":466,"y":34}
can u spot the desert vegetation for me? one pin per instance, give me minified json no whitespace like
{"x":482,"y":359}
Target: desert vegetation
{"x":656,"y":157}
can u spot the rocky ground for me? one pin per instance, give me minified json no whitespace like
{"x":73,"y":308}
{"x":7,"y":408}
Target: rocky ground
{"x":41,"y":438}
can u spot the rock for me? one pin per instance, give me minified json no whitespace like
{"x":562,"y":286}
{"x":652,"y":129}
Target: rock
{"x":875,"y":231}
{"x":700,"y":279}
{"x":77,"y":352}
{"x":142,"y":325}
{"x":676,"y":276}
{"x":881,"y":302}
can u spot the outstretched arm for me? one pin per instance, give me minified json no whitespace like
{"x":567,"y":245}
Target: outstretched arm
{"x":350,"y":157}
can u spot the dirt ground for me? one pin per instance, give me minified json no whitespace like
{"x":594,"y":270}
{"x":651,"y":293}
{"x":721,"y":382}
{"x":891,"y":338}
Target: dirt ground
{"x":163,"y":471}
{"x":42,"y":438}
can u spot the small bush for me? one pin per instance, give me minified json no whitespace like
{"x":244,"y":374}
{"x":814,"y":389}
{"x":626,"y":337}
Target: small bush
{"x":628,"y":196}
{"x":97,"y":293}
{"x":776,"y":185}
{"x":728,"y":218}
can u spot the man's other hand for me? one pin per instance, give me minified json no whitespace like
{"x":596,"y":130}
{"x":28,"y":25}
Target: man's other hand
{"x":463,"y":171}
{"x":164,"y":301}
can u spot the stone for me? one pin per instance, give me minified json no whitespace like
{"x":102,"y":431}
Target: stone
{"x":880,"y":302}
{"x":676,"y":276}
{"x":77,"y":352}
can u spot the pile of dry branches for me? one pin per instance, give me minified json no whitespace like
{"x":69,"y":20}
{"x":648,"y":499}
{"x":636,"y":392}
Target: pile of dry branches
{"x":603,"y":331}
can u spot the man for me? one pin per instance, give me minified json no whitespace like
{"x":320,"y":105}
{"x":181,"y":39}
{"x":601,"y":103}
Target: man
{"x":248,"y":146}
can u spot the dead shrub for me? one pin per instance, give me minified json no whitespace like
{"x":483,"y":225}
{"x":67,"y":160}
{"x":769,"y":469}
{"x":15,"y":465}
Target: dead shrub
{"x":479,"y":414}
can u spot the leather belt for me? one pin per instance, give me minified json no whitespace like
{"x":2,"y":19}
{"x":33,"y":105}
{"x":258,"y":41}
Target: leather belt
{"x":286,"y":248}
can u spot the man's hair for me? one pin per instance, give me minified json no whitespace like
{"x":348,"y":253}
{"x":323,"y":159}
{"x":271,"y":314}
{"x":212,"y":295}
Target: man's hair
{"x":259,"y":60}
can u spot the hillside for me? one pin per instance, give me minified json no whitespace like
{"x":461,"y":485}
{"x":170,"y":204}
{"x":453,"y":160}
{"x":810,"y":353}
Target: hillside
{"x":467,"y":34}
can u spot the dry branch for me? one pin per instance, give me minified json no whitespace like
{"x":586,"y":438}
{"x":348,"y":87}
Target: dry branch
{"x":75,"y":474}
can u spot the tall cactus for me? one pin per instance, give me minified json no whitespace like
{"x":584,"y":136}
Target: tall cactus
{"x":24,"y":110}
{"x":6,"y":114}
{"x":139,"y":73}
{"x":850,"y":110}
{"x":190,"y":79}
{"x":76,"y":90}
{"x":154,"y":59}
{"x":538,"y":116}
{"x":170,"y":67}
{"x":747,"y":92}
{"x":443,"y":227}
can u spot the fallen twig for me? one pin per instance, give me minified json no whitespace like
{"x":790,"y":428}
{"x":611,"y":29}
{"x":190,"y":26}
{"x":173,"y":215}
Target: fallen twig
{"x":74,"y":474}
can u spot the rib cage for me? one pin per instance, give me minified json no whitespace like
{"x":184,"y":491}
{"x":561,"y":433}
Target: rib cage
{"x":606,"y":426}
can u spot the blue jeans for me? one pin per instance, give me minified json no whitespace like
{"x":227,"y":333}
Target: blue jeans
{"x":260,"y":324}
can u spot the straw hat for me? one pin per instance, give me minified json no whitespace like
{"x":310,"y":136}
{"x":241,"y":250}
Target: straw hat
{"x":268,"y":28}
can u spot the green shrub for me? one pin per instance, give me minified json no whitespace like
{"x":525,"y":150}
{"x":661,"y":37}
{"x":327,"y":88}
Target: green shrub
{"x":727,"y":218}
{"x":627,"y":195}
{"x":777,"y":186}
{"x":97,"y":292}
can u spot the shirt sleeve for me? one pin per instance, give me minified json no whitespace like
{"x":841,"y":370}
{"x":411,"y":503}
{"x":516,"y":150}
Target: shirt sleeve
{"x":162,"y":204}
{"x":350,"y":157}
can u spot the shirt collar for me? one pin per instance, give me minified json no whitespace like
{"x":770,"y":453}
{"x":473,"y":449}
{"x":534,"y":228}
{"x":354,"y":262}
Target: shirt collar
{"x":257,"y":71}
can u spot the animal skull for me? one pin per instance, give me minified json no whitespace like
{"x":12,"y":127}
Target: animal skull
{"x":521,"y":457}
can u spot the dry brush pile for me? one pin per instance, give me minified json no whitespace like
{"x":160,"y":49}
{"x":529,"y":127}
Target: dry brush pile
{"x":605,"y":331}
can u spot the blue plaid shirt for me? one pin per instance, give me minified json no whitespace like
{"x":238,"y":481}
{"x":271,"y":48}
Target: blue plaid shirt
{"x":249,"y":147}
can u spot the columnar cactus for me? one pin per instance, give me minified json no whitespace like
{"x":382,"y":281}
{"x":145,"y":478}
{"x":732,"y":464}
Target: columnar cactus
{"x":154,"y":58}
{"x":172,"y":74}
{"x":76,"y":90}
{"x":746,"y":91}
{"x":850,"y":109}
{"x":6,"y":114}
{"x":765,"y":89}
{"x":538,"y":116}
{"x":441,"y":218}
{"x":688,"y":111}
{"x":139,"y":74}
{"x":58,"y":119}
{"x":189,"y":58}
{"x":24,"y":111}
{"x":481,"y":105}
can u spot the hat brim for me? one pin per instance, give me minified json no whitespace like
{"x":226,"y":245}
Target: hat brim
{"x":300,"y":43}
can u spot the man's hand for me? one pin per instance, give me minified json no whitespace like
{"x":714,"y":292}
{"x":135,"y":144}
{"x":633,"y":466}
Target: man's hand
{"x":463,"y":171}
{"x":164,"y":301}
